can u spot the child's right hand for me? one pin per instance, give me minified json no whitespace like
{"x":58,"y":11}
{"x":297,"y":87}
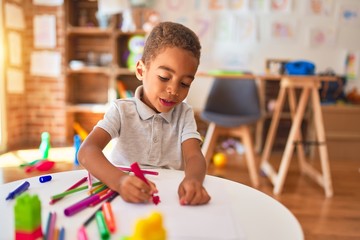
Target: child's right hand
{"x":133,"y":189}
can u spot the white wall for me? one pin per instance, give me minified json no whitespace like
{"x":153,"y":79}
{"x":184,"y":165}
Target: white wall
{"x":226,"y":45}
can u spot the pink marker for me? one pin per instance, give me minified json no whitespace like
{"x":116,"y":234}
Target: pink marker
{"x":89,"y":181}
{"x":127,"y":169}
{"x":138,"y":173}
{"x":81,"y":234}
{"x":52,"y":226}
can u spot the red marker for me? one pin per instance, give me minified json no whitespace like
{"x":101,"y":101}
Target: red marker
{"x":138,"y":173}
{"x":109,"y":216}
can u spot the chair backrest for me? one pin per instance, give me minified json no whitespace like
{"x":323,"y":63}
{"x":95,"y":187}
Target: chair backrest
{"x":234,"y":97}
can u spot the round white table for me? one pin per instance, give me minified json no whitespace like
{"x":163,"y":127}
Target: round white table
{"x":235,"y":211}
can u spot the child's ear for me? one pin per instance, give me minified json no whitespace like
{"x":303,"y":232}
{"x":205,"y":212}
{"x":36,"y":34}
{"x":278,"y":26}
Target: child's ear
{"x":140,"y":70}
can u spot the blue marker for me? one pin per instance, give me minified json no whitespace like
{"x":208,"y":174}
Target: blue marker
{"x":45,"y":178}
{"x":62,"y":233}
{"x":20,"y":189}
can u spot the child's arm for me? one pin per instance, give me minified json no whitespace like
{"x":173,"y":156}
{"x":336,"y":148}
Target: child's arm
{"x":191,"y":190}
{"x":91,"y":157}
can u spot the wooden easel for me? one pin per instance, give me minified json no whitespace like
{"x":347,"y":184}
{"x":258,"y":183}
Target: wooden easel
{"x":309,"y":86}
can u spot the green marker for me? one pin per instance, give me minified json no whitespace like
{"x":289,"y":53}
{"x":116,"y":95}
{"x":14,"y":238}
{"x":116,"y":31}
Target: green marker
{"x":103,"y":229}
{"x":63,"y":194}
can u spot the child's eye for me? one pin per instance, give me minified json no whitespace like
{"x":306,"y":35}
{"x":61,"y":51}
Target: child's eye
{"x":185,"y":85}
{"x":163,"y":78}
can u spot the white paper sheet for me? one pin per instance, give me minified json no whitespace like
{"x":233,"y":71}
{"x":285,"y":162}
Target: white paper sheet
{"x":15,"y":49}
{"x":211,"y":221}
{"x":15,"y":81}
{"x":44,"y":31}
{"x":45,"y":63}
{"x":14,"y":17}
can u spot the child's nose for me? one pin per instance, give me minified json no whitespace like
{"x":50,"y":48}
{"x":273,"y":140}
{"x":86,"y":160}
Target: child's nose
{"x":172,"y":89}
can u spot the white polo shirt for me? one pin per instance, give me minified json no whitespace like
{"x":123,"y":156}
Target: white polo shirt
{"x":144,"y":136}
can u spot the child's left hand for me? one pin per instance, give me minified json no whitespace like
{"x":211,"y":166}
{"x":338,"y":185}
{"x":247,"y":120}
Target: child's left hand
{"x":192,"y":192}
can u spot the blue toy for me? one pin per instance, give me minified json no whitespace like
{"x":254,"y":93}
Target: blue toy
{"x":77,"y":143}
{"x":300,"y":68}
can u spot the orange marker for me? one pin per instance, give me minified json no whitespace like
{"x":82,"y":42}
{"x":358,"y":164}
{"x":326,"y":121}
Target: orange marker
{"x":109,"y":216}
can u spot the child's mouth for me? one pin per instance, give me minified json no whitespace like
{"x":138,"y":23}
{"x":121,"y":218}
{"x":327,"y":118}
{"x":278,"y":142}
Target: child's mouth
{"x":167,"y":103}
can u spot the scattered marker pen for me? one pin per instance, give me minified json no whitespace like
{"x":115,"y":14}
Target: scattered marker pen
{"x":109,"y":216}
{"x":20,"y":189}
{"x":62,"y":233}
{"x":103,"y":229}
{"x":81,"y":234}
{"x":45,"y":178}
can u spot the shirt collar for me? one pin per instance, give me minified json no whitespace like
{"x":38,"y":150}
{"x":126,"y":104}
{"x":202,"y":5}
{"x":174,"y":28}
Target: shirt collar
{"x":145,"y":112}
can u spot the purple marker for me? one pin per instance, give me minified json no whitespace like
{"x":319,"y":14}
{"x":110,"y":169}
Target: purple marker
{"x":77,"y":207}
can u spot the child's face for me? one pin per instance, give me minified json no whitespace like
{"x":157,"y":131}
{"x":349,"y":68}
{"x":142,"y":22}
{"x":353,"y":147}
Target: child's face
{"x":167,"y":79}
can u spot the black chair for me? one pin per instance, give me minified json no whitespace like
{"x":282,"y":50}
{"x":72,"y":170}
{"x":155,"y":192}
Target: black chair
{"x":231,"y":107}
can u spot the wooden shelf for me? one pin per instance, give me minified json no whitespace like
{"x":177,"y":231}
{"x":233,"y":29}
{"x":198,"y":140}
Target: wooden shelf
{"x":136,"y":32}
{"x":86,"y":69}
{"x":124,"y":71}
{"x":89,"y":31}
{"x":87,"y":107}
{"x":91,"y":88}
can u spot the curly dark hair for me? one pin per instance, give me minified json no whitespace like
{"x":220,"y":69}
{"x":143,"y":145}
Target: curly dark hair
{"x":170,"y":34}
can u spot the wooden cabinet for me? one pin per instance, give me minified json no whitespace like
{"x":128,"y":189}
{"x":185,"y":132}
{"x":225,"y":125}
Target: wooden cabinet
{"x":342,"y":131}
{"x":95,"y":60}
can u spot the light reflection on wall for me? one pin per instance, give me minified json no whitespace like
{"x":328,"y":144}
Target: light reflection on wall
{"x":2,"y":80}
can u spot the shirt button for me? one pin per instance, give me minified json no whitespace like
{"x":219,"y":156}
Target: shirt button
{"x":155,"y":139}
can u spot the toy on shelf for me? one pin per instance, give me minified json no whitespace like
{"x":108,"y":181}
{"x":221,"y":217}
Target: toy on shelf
{"x":45,"y":145}
{"x":42,"y":166}
{"x":152,"y":21}
{"x":80,"y":130}
{"x":128,"y":24}
{"x":121,"y":90}
{"x":136,"y":47}
{"x":77,"y":143}
{"x":27,"y":215}
{"x":150,"y":228}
